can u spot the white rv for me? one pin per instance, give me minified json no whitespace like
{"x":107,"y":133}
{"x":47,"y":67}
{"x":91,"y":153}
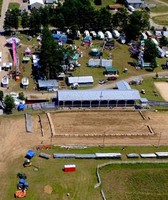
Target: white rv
{"x":100,"y":35}
{"x":116,"y":34}
{"x":108,"y":35}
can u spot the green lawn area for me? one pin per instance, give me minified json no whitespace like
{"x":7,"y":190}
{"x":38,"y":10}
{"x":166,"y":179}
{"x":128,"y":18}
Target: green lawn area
{"x":161,"y":20}
{"x":148,"y":85}
{"x":159,"y":8}
{"x":79,"y":184}
{"x":13,"y":5}
{"x":135,"y":181}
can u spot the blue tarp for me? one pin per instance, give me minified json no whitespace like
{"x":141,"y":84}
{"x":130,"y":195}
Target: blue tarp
{"x":60,"y":37}
{"x":30,"y":154}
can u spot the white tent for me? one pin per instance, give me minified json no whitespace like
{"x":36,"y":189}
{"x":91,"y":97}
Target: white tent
{"x":10,"y":40}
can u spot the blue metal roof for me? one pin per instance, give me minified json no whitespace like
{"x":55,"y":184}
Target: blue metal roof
{"x":123,"y":85}
{"x":91,"y":95}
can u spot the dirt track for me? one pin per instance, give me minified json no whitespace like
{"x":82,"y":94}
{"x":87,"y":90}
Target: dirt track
{"x":90,"y":128}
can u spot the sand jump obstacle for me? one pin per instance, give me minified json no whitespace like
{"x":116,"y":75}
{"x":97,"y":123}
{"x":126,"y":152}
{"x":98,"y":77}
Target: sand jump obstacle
{"x":28,"y":122}
{"x":53,"y":133}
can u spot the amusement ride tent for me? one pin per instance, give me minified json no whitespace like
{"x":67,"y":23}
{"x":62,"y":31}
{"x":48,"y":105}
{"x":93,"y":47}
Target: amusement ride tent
{"x":10,"y":40}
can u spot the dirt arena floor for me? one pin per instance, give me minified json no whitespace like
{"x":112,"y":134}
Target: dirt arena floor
{"x":162,"y":87}
{"x":109,"y":127}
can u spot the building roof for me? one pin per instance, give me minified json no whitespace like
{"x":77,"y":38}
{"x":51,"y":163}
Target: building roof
{"x":134,"y":1}
{"x":91,"y":95}
{"x":49,"y":1}
{"x":123,"y":85}
{"x":80,"y":79}
{"x":36,"y":1}
{"x":47,"y":83}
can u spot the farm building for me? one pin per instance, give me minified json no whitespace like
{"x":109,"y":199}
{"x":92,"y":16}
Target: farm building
{"x":49,"y":85}
{"x":97,"y":98}
{"x":35,"y":4}
{"x":134,"y":3}
{"x":80,"y":80}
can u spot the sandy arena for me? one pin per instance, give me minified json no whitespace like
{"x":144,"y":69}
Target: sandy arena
{"x":110,"y":127}
{"x":162,"y":87}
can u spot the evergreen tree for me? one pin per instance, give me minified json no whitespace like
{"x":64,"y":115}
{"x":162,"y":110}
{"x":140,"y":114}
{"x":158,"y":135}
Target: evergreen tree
{"x":35,"y":21}
{"x":9,"y":103}
{"x":51,"y":55}
{"x":25,"y":19}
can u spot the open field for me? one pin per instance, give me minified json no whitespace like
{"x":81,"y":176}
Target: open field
{"x":80,"y":184}
{"x":135,"y":181}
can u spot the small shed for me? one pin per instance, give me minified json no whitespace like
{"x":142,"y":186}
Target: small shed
{"x":30,"y":154}
{"x":81,"y":80}
{"x":69,"y":168}
{"x":49,"y":85}
{"x":111,"y":70}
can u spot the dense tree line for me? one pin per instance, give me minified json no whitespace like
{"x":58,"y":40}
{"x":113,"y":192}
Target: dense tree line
{"x":79,"y":15}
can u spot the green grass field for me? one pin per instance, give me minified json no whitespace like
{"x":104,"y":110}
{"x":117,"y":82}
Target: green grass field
{"x":159,"y":8}
{"x":161,"y":20}
{"x":14,"y":5}
{"x":79,"y":184}
{"x":135,"y":181}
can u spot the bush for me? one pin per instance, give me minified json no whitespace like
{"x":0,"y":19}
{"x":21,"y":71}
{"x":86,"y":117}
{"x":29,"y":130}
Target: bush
{"x":21,"y":96}
{"x":98,"y":2}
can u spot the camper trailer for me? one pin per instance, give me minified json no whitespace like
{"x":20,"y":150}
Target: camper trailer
{"x":100,"y":35}
{"x":154,"y":41}
{"x":116,"y":34}
{"x":108,"y":35}
{"x":161,"y":52}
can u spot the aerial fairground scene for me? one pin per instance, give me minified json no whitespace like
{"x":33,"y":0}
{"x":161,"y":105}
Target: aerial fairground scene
{"x":84,"y":99}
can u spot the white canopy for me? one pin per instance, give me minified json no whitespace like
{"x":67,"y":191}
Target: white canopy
{"x":10,"y":40}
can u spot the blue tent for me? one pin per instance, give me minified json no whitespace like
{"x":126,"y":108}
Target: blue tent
{"x":30,"y":154}
{"x":60,"y":37}
{"x":21,"y":107}
{"x":21,"y":181}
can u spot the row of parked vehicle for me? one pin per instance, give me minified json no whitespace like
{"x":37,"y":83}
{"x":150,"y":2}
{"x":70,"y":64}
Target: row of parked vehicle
{"x":106,"y":35}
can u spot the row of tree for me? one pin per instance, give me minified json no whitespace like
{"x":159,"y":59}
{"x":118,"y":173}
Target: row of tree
{"x":78,"y":15}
